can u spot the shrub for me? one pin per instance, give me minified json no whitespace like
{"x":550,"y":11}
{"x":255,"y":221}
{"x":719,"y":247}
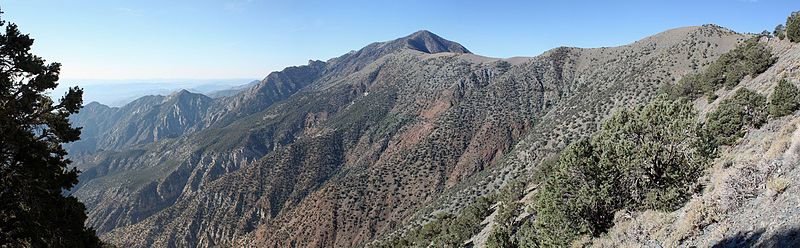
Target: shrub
{"x":501,"y":237}
{"x":572,"y":201}
{"x":780,"y":31}
{"x":509,"y":205}
{"x":446,"y":230}
{"x":784,"y":100}
{"x":778,"y":184}
{"x":793,"y":27}
{"x":645,"y":158}
{"x":525,"y":236}
{"x":508,"y":209}
{"x":733,"y":116}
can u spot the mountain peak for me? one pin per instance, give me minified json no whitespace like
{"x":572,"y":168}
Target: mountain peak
{"x":94,"y":104}
{"x":428,"y":42}
{"x":423,"y":32}
{"x":423,"y":41}
{"x":184,"y":94}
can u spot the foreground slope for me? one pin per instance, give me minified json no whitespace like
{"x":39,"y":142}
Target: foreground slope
{"x":338,"y":153}
{"x":751,"y":197}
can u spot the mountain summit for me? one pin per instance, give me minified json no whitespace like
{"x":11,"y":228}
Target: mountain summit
{"x":427,"y":42}
{"x":422,"y":41}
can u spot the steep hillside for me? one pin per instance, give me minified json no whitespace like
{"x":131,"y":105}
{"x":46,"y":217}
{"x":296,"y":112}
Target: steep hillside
{"x":341,"y":152}
{"x":751,"y":194}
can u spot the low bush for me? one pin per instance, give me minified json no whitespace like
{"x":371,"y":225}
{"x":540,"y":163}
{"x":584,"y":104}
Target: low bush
{"x":645,"y":158}
{"x":778,"y":185}
{"x":734,"y":115}
{"x":784,"y":100}
{"x":446,"y":230}
{"x":793,"y":27}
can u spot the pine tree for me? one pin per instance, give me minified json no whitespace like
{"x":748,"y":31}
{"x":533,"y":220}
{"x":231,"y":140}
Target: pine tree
{"x":785,"y":99}
{"x":735,"y":115}
{"x":644,"y":158}
{"x":34,"y":172}
{"x":780,"y":31}
{"x":793,"y":27}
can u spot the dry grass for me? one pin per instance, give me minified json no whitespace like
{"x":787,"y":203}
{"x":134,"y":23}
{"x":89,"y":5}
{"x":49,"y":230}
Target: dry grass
{"x":781,"y":143}
{"x":632,"y":230}
{"x":778,"y":185}
{"x":699,"y":214}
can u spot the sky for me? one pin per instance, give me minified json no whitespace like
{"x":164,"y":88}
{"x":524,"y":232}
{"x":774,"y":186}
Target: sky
{"x":224,"y":39}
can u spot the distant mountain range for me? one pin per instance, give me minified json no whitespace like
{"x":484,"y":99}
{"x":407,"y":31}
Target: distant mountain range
{"x":117,"y":93}
{"x":351,"y":150}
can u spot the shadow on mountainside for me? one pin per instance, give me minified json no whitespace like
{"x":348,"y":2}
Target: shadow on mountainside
{"x":784,"y":238}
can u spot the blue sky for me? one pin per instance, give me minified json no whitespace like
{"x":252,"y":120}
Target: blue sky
{"x":145,"y":39}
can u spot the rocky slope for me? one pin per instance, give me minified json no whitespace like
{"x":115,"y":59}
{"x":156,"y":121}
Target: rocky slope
{"x":339,"y":153}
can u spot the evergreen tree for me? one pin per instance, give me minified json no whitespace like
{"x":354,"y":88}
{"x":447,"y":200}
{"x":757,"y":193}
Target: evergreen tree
{"x":765,"y":33}
{"x":735,"y":115}
{"x":785,"y":99}
{"x":644,"y":158}
{"x":34,"y":172}
{"x":501,"y":237}
{"x":780,"y":31}
{"x":793,"y":27}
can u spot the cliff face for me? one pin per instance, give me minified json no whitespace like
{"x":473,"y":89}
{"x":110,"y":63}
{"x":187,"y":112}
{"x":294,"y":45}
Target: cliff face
{"x":338,"y":153}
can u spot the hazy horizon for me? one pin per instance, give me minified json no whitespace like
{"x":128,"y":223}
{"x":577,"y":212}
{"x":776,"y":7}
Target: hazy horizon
{"x":118,"y":92}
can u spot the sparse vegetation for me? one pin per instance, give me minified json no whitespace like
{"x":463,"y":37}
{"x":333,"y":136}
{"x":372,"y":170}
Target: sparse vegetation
{"x":749,"y":58}
{"x":445,"y":230}
{"x":784,"y":100}
{"x":413,"y":130}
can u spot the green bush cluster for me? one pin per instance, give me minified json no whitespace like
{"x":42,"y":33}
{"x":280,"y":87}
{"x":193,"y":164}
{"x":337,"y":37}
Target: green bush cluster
{"x":779,"y":32}
{"x":784,"y":100}
{"x":446,"y":230}
{"x":509,"y":202}
{"x":793,"y":27}
{"x":734,"y":115}
{"x":509,"y":208}
{"x":501,"y":237}
{"x":525,"y":236}
{"x":645,"y":158}
{"x":749,"y":58}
